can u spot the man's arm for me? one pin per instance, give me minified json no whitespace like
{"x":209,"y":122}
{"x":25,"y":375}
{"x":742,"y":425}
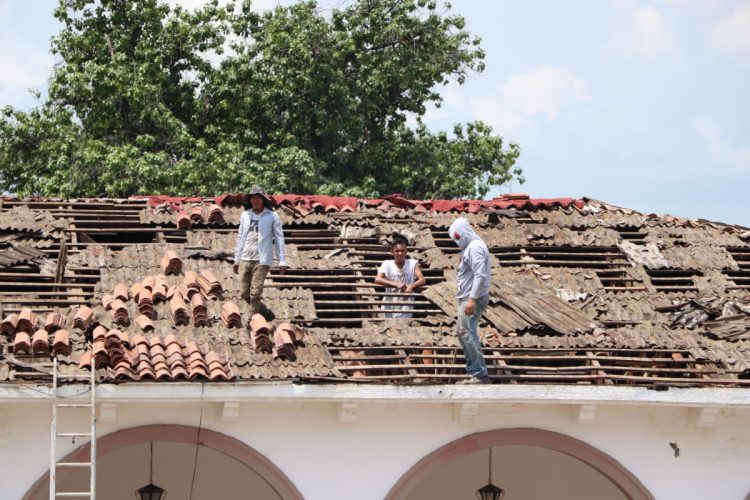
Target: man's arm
{"x":477,"y":259}
{"x":419,"y":281}
{"x":278,"y":235}
{"x":380,"y":280}
{"x":241,"y":235}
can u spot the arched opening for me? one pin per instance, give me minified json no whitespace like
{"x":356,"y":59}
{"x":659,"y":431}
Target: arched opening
{"x":534,"y":462}
{"x":227,"y":467}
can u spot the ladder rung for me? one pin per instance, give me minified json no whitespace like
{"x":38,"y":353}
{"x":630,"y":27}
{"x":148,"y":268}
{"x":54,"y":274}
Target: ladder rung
{"x":74,"y":464}
{"x":73,"y":434}
{"x":74,"y":405}
{"x":74,"y":494}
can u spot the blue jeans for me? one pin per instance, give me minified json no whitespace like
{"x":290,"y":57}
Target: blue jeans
{"x":469,"y":338}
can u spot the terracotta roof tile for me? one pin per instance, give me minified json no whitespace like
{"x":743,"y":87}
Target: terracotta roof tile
{"x":54,"y":322}
{"x":196,"y":214}
{"x":8,"y":325}
{"x":119,"y":312}
{"x":215,"y":214}
{"x":178,"y":310}
{"x":22,"y":343}
{"x":209,"y":285}
{"x":230,"y":315}
{"x":26,"y":321}
{"x":183,"y":221}
{"x":121,"y":292}
{"x":259,"y":333}
{"x":61,"y":343}
{"x":107,"y":301}
{"x":199,"y":310}
{"x":171,"y":263}
{"x":82,"y":319}
{"x":144,"y":322}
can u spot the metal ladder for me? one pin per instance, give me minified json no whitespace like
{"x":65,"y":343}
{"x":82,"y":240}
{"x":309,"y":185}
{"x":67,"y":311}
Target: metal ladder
{"x":55,"y":435}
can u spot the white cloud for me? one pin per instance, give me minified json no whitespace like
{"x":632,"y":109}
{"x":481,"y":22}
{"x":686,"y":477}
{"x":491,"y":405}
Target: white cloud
{"x":737,"y":158}
{"x":650,"y":35}
{"x":545,"y":90}
{"x":733,"y":32}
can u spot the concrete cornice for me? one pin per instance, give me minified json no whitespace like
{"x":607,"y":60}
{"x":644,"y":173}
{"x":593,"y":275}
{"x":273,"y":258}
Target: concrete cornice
{"x":178,"y":393}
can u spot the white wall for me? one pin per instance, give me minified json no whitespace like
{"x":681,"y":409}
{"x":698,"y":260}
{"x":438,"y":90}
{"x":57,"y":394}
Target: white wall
{"x":328,"y":460}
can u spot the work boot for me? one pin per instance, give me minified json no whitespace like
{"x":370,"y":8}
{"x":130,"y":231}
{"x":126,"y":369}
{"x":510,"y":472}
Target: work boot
{"x":254,"y":306}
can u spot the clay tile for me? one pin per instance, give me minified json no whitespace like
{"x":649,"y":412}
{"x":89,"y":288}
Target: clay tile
{"x":144,"y":322}
{"x":163,"y":374}
{"x":218,"y":374}
{"x":121,"y":292}
{"x":99,"y":333}
{"x":61,"y":342}
{"x":85,"y":361}
{"x":179,"y":372}
{"x":124,"y":339}
{"x":148,"y":282}
{"x":153,"y":341}
{"x":136,"y":291}
{"x":195,"y":372}
{"x":159,"y":365}
{"x":22,"y":343}
{"x":191,"y":348}
{"x":99,"y":347}
{"x":157,"y":349}
{"x":54,"y":322}
{"x":8,"y":325}
{"x":107,"y":301}
{"x":212,"y":357}
{"x":174,"y":348}
{"x":258,"y":323}
{"x":26,"y":321}
{"x":139,"y":339}
{"x":170,"y":339}
{"x":175,"y":359}
{"x":143,"y":349}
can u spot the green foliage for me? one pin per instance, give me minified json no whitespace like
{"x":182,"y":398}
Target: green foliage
{"x":302,"y":102}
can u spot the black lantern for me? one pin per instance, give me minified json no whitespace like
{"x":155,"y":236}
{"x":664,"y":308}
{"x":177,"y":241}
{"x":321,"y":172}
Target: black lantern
{"x":490,"y":492}
{"x":151,"y":491}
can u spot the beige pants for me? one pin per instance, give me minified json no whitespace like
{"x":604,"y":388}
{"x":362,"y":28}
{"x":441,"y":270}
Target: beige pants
{"x":253,"y":274}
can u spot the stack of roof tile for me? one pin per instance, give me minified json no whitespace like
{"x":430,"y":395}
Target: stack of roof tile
{"x":40,"y":342}
{"x":215,"y":214}
{"x":55,"y":321}
{"x":175,"y":359}
{"x":116,"y":343}
{"x":183,"y":220}
{"x":200,"y":310}
{"x":191,"y":284}
{"x":121,"y":292}
{"x":259,"y":334}
{"x":196,"y":214}
{"x":230,"y":315}
{"x":82,"y":319}
{"x":26,"y":321}
{"x":107,"y":301}
{"x":61,"y":343}
{"x":8,"y":325}
{"x":178,"y":310}
{"x":216,"y":367}
{"x":283,"y":342}
{"x":22,"y":343}
{"x":209,"y":285}
{"x":145,"y":303}
{"x":99,"y":333}
{"x":171,"y":263}
{"x":159,"y":291}
{"x":119,"y":312}
{"x":100,"y":355}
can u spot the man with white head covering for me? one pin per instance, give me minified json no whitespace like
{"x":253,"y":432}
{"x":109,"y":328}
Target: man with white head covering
{"x":473,"y":283}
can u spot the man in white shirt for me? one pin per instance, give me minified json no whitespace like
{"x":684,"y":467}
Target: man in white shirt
{"x":260,"y":228}
{"x":400,"y":276}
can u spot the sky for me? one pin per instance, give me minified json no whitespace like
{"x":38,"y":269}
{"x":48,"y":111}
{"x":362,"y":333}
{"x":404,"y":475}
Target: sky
{"x":641,"y":104}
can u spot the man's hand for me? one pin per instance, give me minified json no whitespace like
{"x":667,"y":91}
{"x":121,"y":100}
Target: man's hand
{"x":236,"y":268}
{"x":409,"y":289}
{"x":282,"y":269}
{"x":470,"y":306}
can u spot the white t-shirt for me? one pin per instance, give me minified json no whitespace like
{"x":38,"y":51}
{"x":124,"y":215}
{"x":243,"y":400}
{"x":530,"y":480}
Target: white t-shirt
{"x":250,"y":251}
{"x":405,"y":276}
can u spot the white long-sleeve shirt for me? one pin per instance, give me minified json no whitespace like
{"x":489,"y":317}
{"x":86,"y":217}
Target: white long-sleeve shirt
{"x":269,"y":231}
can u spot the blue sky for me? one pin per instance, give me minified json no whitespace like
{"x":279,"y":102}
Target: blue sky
{"x":642,"y":104}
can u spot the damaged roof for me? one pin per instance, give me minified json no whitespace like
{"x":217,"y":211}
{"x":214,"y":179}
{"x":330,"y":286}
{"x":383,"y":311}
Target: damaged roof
{"x":582,"y":293}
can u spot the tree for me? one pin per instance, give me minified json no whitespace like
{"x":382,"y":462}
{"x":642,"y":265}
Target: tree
{"x":153,"y":99}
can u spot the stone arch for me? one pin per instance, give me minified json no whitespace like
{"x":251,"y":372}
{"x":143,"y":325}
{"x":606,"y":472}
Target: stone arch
{"x":216,"y":441}
{"x":600,"y":461}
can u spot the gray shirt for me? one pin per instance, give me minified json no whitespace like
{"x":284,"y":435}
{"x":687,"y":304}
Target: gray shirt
{"x":473,"y":277}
